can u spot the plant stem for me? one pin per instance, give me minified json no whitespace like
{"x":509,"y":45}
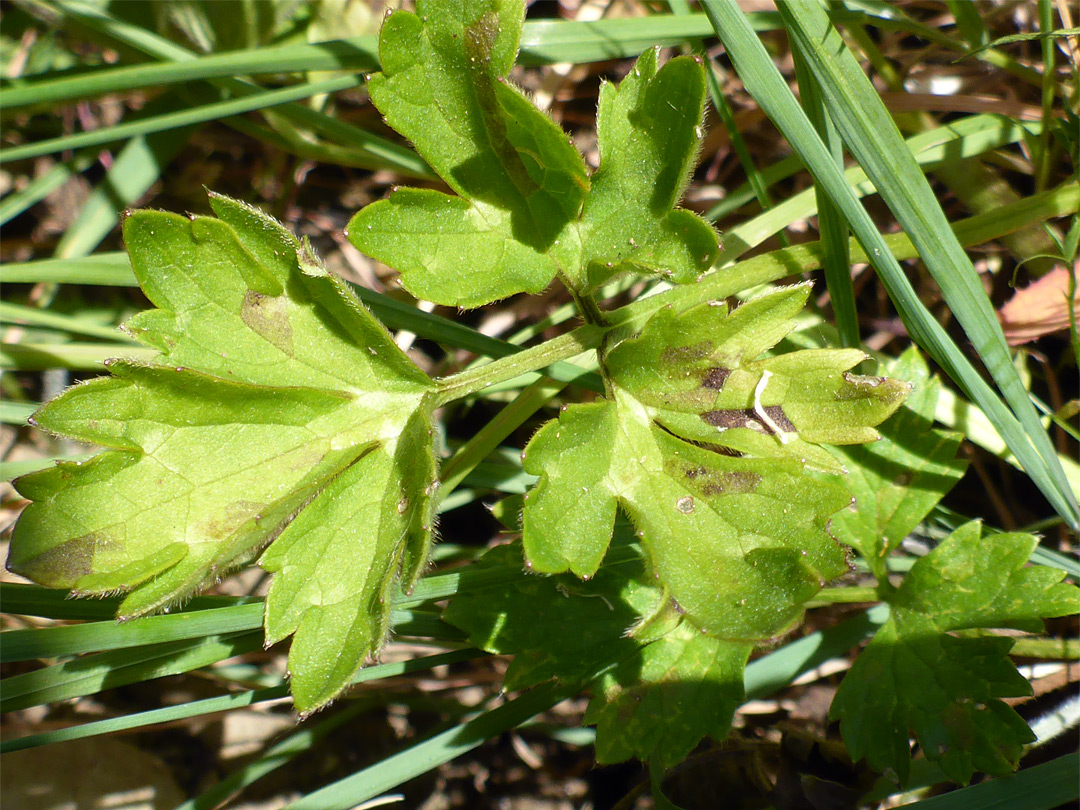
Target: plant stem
{"x":1054,"y":649}
{"x":838,"y":596}
{"x":477,"y":378}
{"x":488,"y":438}
{"x":720,"y":284}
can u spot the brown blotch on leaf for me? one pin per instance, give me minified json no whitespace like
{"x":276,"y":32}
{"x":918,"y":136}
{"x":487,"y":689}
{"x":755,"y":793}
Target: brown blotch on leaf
{"x":729,"y":417}
{"x":715,"y":378}
{"x":267,"y":316}
{"x":776,"y":413}
{"x":747,"y":417}
{"x":677,"y":355}
{"x":735,"y":481}
{"x":63,"y":565}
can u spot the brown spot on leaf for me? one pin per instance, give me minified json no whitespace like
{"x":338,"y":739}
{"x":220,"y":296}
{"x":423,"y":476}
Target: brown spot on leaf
{"x":776,"y":413}
{"x":729,"y":417}
{"x":231,"y":518}
{"x":266,"y":315}
{"x":678,"y":355}
{"x":733,"y":481}
{"x":715,"y":378}
{"x":746,"y":417}
{"x":63,"y":565}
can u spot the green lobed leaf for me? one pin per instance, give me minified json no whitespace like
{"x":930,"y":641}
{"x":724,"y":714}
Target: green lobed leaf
{"x":279,"y":410}
{"x":897,"y":481}
{"x":524,"y":211}
{"x":649,"y":131}
{"x":946,"y":689}
{"x":520,"y":182}
{"x":738,"y":540}
{"x":658,"y":688}
{"x":699,"y":376}
{"x":683,"y":686}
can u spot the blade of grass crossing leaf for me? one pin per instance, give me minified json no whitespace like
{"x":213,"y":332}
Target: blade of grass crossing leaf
{"x":831,"y":226}
{"x":872,"y":137}
{"x":206,"y":112}
{"x":765,"y":83}
{"x":443,"y":747}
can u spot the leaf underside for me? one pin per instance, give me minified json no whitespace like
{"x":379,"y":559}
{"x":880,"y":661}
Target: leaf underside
{"x":278,"y":412}
{"x":706,"y":445}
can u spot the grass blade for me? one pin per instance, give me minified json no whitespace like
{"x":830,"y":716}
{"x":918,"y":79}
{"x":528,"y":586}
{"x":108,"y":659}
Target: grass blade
{"x":182,"y":118}
{"x":768,"y":87}
{"x":423,"y":757}
{"x":198,"y":708}
{"x":873,"y":138}
{"x":1041,"y":787}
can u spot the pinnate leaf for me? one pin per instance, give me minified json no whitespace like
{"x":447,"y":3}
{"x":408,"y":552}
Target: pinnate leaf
{"x":278,"y":408}
{"x":917,"y":675}
{"x":738,"y":540}
{"x":659,"y":685}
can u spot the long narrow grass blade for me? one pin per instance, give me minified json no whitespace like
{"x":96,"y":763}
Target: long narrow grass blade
{"x":198,"y":708}
{"x":17,"y":313}
{"x":421,"y":758}
{"x":767,"y":86}
{"x":87,"y":676}
{"x":485,"y":440}
{"x":831,"y":225}
{"x":182,"y":118}
{"x":1040,"y":787}
{"x":76,"y":639}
